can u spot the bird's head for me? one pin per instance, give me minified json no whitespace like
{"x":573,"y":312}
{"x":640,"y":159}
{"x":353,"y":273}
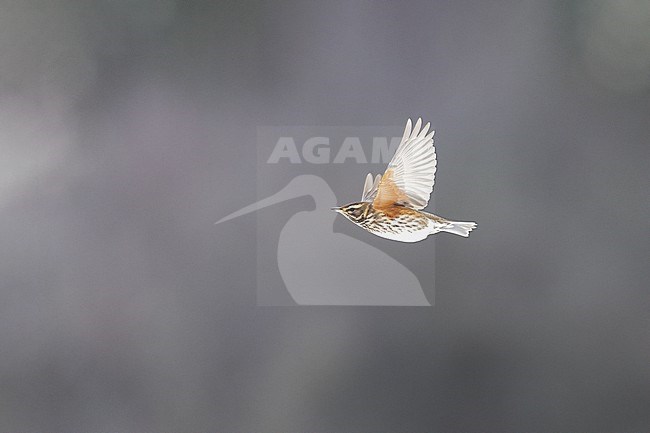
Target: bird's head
{"x":355,"y":212}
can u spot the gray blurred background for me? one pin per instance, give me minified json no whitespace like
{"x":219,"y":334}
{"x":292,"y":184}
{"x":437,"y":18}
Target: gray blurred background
{"x":128,"y":127}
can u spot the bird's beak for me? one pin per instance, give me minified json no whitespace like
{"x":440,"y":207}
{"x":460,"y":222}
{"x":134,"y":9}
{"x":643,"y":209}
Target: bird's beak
{"x":285,"y":194}
{"x":336,"y":209}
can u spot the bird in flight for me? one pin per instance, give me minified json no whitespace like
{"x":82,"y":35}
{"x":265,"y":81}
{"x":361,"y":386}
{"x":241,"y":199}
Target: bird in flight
{"x":391,"y":205}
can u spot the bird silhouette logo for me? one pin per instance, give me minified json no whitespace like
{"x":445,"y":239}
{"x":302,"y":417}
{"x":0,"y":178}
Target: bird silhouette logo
{"x":319,"y":266}
{"x":391,"y":205}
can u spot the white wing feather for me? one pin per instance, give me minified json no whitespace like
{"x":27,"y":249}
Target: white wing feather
{"x":370,"y":188}
{"x":414,"y":165}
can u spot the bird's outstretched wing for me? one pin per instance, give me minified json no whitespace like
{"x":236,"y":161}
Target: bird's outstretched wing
{"x":370,"y":188}
{"x":408,"y":180}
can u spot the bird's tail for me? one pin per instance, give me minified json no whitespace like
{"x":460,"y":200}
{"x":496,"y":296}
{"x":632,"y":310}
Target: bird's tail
{"x":460,"y":228}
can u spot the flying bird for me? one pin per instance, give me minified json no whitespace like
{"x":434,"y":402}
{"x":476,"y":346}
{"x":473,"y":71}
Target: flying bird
{"x":391,"y":205}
